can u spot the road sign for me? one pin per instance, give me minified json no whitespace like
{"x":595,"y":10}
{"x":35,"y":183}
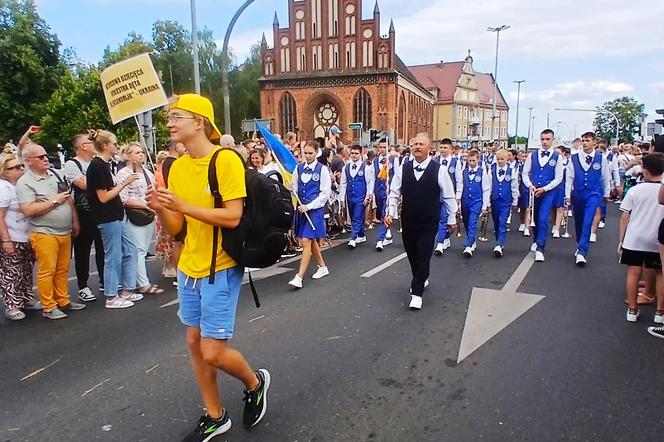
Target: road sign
{"x":355,"y":126}
{"x":250,"y":125}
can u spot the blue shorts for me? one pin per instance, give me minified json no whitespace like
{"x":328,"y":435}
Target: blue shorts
{"x":210,"y":307}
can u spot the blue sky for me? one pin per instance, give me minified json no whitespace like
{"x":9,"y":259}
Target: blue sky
{"x":571,"y":53}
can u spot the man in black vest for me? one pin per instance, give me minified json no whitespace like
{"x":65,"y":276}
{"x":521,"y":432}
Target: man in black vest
{"x":423,"y":184}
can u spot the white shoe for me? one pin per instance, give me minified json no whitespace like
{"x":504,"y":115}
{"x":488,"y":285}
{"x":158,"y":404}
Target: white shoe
{"x":522,"y":227}
{"x":617,"y":202}
{"x":468,"y":252}
{"x":447,"y":244}
{"x":415,"y":302}
{"x":387,"y":242}
{"x":556,"y":233}
{"x":320,"y":273}
{"x":533,"y":247}
{"x":118,"y":302}
{"x":602,"y":224}
{"x":85,"y":295}
{"x":580,"y":260}
{"x":526,"y":232}
{"x":439,"y":249}
{"x":498,"y":251}
{"x":296,"y":282}
{"x":593,"y":237}
{"x":388,"y":235}
{"x":509,"y":219}
{"x":474,"y":246}
{"x":379,"y":246}
{"x":133,"y":297}
{"x":361,"y":239}
{"x":632,"y":315}
{"x":539,"y":256}
{"x":351,"y":244}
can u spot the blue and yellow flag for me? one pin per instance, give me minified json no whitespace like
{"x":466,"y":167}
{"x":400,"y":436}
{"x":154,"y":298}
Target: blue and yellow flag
{"x":284,"y":158}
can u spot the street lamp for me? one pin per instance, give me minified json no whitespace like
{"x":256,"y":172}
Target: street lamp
{"x":530,"y":120}
{"x":518,"y":97}
{"x":194,"y":44}
{"x":495,"y":77}
{"x":598,"y":111}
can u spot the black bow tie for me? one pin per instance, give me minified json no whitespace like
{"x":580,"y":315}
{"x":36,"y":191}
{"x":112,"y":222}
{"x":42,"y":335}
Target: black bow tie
{"x":354,"y":166}
{"x":444,"y":162}
{"x":545,"y":153}
{"x":589,"y":159}
{"x":419,"y":169}
{"x":472,"y":172}
{"x":501,"y":172}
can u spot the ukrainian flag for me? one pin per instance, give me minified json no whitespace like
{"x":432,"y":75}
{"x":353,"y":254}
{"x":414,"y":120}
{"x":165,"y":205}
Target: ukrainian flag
{"x":284,"y":158}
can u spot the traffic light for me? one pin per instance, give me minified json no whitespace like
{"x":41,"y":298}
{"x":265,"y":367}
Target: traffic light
{"x":374,"y":135}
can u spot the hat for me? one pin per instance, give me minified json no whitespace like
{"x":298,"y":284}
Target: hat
{"x":198,"y":105}
{"x":335,"y":130}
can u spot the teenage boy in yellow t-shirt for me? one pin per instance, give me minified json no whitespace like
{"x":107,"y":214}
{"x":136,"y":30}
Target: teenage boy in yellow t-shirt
{"x":208,"y":310}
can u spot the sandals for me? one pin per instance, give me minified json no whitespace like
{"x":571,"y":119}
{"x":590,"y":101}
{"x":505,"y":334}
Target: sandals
{"x":153,"y":289}
{"x":14,"y":314}
{"x":640,"y":299}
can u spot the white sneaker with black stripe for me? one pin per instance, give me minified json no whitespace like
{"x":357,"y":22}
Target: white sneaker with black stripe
{"x":85,"y":295}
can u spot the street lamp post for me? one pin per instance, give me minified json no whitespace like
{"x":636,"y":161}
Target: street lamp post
{"x":225,"y":64}
{"x":518,"y":97}
{"x":495,"y":77}
{"x":194,"y":44}
{"x":530,"y":119}
{"x":599,"y":111}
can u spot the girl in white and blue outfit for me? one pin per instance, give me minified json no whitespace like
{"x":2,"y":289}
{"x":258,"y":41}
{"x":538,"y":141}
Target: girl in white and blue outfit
{"x":312,"y":184}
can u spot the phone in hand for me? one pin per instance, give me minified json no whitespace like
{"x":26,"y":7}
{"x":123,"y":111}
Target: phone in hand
{"x":62,"y":187}
{"x":35,"y":129}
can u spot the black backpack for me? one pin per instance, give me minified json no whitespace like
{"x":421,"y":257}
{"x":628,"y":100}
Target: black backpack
{"x":80,"y":196}
{"x":262,"y":235}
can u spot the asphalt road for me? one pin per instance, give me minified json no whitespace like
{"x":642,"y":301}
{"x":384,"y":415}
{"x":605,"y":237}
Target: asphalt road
{"x":350,"y":362}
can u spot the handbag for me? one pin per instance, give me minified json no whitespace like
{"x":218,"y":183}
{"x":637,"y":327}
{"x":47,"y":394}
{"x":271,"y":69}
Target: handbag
{"x":140,"y":217}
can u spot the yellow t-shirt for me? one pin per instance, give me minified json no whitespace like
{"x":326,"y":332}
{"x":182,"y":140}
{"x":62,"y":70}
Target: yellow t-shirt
{"x":188,"y":179}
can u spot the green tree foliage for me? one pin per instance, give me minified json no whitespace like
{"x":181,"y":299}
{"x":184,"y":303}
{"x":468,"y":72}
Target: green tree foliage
{"x":245,"y":90}
{"x":30,"y":66}
{"x":173,"y":56}
{"x":628,"y":111}
{"x":133,"y":45}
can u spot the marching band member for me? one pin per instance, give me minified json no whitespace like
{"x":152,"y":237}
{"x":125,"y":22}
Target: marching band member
{"x":559,"y":200}
{"x":542,"y":172}
{"x":453,"y":167}
{"x":356,"y":189}
{"x":504,"y":196}
{"x":423,"y":185}
{"x":383,"y":170}
{"x":473,"y":194}
{"x":588,"y":182}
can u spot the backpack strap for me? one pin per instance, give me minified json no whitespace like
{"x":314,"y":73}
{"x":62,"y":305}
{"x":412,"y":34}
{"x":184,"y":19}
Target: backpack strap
{"x":213,"y":183}
{"x":78,"y":163}
{"x":273,"y":173}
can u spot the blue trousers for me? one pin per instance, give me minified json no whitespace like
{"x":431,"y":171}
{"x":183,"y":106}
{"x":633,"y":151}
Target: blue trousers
{"x":584,"y":207}
{"x":120,"y":257}
{"x":500,"y":211}
{"x":356,"y":210}
{"x":543,"y":206}
{"x":602,"y":208}
{"x":381,"y":207}
{"x":443,"y":233}
{"x":470,"y":210}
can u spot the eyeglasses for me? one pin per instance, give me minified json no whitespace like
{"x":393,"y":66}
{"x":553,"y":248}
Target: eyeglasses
{"x":17,"y":167}
{"x":40,"y":157}
{"x":176,"y":118}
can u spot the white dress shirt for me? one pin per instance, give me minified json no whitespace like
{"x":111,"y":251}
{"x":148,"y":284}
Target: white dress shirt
{"x":444,"y":183}
{"x":606,"y":172}
{"x":486,"y":186}
{"x":457,"y":171}
{"x":514,"y":178}
{"x":368,"y":177}
{"x":325,"y":185}
{"x":525,"y":175}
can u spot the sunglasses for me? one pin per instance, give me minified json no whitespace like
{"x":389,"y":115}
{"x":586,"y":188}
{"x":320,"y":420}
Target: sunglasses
{"x":17,"y":167}
{"x":40,"y":157}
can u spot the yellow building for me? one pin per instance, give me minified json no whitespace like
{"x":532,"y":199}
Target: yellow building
{"x":464,"y":103}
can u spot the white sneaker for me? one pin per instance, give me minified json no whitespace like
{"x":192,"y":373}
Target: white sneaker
{"x":468,"y":252}
{"x":361,"y":239}
{"x":387,"y":241}
{"x":439,"y":249}
{"x":617,"y":202}
{"x":351,"y":244}
{"x":580,"y":260}
{"x":320,"y":273}
{"x":498,"y":251}
{"x":632,"y":315}
{"x":85,"y":295}
{"x":659,"y":317}
{"x":602,"y":224}
{"x":539,"y":256}
{"x":415,"y":302}
{"x":296,"y":282}
{"x":509,"y":219}
{"x":379,"y":246}
{"x":447,"y":244}
{"x":388,"y":235}
{"x":118,"y":302}
{"x":526,"y":232}
{"x":133,"y":297}
{"x":474,"y":246}
{"x":556,"y":233}
{"x":593,"y":237}
{"x":522,"y":227}
{"x":533,"y":247}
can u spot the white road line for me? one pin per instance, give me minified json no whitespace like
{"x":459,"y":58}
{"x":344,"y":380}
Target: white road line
{"x":36,"y":372}
{"x":95,"y":387}
{"x":383,"y":266}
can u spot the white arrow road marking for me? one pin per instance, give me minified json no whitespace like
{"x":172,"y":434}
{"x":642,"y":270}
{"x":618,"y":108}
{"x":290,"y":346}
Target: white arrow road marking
{"x":490,"y":311}
{"x":383,"y":266}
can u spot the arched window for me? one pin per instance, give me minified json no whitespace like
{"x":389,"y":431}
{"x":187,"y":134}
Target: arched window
{"x":362,"y":108}
{"x":287,"y":113}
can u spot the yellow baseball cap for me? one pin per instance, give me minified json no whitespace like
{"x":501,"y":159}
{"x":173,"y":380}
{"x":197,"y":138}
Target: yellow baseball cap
{"x":198,"y":105}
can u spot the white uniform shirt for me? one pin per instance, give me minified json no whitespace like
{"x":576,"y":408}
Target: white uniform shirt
{"x":486,"y":186}
{"x":543,"y":160}
{"x":514,"y":186}
{"x":368,"y":177}
{"x":606,"y":172}
{"x":325,"y":185}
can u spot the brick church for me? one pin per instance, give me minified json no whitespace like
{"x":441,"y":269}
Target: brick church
{"x":331,"y":67}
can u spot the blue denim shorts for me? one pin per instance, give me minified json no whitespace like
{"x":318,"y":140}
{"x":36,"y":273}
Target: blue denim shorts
{"x":210,"y":307}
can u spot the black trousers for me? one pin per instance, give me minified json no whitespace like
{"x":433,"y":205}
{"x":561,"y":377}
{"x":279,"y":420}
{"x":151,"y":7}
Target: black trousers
{"x":419,"y":240}
{"x":83,"y":244}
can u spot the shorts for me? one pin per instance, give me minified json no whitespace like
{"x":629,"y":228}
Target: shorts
{"x":210,"y":307}
{"x":649,"y":260}
{"x":660,"y":233}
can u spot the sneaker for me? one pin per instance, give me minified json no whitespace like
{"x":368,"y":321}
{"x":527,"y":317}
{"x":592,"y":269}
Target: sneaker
{"x":36,"y":305}
{"x":580,"y":260}
{"x":522,"y":227}
{"x":556,"y":234}
{"x":56,"y":313}
{"x":379,"y":246}
{"x":170,"y":273}
{"x":539,"y":256}
{"x":447,"y":244}
{"x":618,"y":202}
{"x":533,"y":247}
{"x":388,"y":235}
{"x":632,"y":314}
{"x":85,"y":295}
{"x":439,"y":249}
{"x":593,"y":237}
{"x":73,"y":306}
{"x":150,"y":256}
{"x":468,"y":252}
{"x":298,"y":249}
{"x":526,"y":232}
{"x":657,"y":332}
{"x":289,"y":254}
{"x":320,"y":273}
{"x":207,"y":428}
{"x":474,"y":246}
{"x":296,"y":282}
{"x":415,"y":302}
{"x":602,"y":224}
{"x":175,"y":283}
{"x":498,"y":251}
{"x":659,"y":317}
{"x":361,"y":239}
{"x":255,"y":402}
{"x":351,"y":244}
{"x":118,"y":302}
{"x":133,"y":297}
{"x":101,"y":288}
{"x":388,"y":241}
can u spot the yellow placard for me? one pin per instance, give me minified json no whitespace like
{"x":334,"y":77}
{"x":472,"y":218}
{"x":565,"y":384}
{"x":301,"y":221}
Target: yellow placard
{"x":132,"y":87}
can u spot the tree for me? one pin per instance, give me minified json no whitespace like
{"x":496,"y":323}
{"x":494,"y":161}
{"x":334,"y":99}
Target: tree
{"x":173,"y":56}
{"x":133,"y":45}
{"x":30,"y":66}
{"x":629,"y":112}
{"x":245,"y":90}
